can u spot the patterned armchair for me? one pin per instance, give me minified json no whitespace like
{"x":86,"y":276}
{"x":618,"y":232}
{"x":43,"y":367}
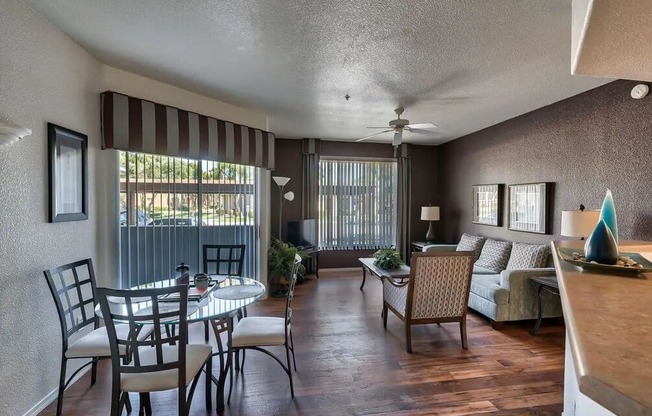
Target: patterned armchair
{"x":436,"y":292}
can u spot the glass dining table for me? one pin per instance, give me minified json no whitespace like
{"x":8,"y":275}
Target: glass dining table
{"x":224,"y":298}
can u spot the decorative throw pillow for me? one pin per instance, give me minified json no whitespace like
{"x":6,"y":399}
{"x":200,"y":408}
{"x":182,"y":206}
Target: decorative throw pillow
{"x":494,"y":255}
{"x":471,"y":243}
{"x":528,"y":256}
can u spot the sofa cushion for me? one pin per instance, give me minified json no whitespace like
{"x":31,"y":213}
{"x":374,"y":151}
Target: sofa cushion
{"x":494,"y":255}
{"x":472,"y":243}
{"x":488,"y":286}
{"x":528,"y":256}
{"x":481,"y":270}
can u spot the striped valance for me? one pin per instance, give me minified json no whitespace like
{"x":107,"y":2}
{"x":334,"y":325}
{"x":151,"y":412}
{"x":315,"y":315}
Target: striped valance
{"x":138,"y":125}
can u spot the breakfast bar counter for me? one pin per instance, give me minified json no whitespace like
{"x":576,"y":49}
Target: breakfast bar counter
{"x":609,"y":336}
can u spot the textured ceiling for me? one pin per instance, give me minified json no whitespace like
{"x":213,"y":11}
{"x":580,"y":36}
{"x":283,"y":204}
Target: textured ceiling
{"x":463,"y":65}
{"x":612,"y":38}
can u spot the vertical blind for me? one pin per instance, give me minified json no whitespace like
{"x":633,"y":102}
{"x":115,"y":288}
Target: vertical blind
{"x":357,"y":204}
{"x":170,"y":207}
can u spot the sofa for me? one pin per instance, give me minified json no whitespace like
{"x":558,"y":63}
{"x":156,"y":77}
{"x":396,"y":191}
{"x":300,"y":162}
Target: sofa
{"x":500,"y":285}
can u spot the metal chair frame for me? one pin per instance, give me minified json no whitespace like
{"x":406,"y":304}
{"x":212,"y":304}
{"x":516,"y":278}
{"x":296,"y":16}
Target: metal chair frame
{"x":289,"y":342}
{"x":160,"y":338}
{"x":69,"y":311}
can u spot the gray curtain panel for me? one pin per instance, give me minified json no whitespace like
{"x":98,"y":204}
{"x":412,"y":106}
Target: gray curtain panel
{"x":403,"y":198}
{"x":310,"y":183}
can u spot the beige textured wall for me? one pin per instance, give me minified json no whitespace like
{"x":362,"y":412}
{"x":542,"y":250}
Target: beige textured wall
{"x":44,"y":77}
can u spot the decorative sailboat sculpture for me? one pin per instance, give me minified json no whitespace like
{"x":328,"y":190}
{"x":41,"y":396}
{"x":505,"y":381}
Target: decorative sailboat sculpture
{"x":602,"y":244}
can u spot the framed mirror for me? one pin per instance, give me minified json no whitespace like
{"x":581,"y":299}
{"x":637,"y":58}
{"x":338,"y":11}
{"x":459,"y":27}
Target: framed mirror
{"x":68,"y":178}
{"x":529,"y":207}
{"x":487,"y":204}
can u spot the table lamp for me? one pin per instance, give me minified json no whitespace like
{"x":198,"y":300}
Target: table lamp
{"x":430,"y":214}
{"x":579,"y":223}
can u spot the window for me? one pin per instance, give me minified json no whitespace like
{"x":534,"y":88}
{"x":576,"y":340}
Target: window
{"x":357,"y":204}
{"x":170,"y":207}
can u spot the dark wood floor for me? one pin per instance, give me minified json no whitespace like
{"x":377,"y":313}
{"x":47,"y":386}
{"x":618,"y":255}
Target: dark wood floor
{"x":348,"y":365}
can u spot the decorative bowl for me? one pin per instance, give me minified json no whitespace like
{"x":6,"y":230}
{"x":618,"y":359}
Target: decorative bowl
{"x":571,"y":255}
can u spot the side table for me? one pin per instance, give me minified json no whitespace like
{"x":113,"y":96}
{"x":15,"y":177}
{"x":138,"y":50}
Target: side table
{"x":550,"y":285}
{"x":312,"y":254}
{"x":418,"y":245}
{"x":367,"y":264}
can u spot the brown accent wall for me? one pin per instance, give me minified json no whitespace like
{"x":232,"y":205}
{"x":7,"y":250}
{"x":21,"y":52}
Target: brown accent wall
{"x":585,"y":144}
{"x":289,"y":163}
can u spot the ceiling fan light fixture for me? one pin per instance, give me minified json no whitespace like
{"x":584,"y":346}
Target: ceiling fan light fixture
{"x":397,"y":126}
{"x":398,"y":135}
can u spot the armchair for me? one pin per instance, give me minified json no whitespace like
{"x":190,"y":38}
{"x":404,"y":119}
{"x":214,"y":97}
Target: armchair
{"x":436,"y":292}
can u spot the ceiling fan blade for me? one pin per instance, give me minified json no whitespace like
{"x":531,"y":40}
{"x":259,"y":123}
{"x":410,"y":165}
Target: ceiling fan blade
{"x":422,"y":131}
{"x":396,"y":141}
{"x":422,"y":126}
{"x":376,"y":127}
{"x":375,"y":134}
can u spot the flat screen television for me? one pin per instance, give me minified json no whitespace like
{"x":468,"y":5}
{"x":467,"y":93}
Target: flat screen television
{"x":302,"y":233}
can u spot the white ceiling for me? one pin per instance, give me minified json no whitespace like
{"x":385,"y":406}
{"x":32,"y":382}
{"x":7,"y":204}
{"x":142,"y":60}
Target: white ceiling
{"x":463,"y":65}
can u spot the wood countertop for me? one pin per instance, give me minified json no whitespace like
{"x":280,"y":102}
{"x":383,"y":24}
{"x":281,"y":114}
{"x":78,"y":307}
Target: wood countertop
{"x":609,"y":324}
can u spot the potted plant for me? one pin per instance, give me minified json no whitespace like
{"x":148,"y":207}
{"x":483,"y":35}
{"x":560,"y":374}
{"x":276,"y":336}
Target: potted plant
{"x":280,"y":260}
{"x":387,"y":259}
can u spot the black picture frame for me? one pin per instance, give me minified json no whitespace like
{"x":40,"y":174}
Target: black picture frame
{"x":487,"y":204}
{"x":529,"y":207}
{"x":68,"y":174}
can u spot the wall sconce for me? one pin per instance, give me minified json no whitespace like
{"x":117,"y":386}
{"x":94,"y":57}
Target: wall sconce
{"x":10,"y":133}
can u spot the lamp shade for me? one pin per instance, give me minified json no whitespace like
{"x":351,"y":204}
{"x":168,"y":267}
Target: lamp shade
{"x":289,"y":196}
{"x":281,"y":180}
{"x":430,"y":213}
{"x":578,"y":223}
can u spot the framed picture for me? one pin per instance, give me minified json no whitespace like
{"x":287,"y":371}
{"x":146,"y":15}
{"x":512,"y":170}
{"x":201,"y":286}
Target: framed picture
{"x":487,"y":205}
{"x":529,"y":207}
{"x":68,"y":179}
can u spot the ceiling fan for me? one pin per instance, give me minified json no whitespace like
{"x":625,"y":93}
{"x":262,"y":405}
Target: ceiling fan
{"x":398,"y":125}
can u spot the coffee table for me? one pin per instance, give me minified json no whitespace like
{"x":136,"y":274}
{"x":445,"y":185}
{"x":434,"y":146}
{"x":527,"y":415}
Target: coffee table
{"x":367,"y":263}
{"x":549,"y":284}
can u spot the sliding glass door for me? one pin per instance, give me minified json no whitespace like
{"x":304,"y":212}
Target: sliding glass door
{"x":170,"y":207}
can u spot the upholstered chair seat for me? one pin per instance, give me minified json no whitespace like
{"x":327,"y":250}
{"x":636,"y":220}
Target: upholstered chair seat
{"x":196,"y":357}
{"x":259,"y":330}
{"x":96,"y":342}
{"x":396,"y":297}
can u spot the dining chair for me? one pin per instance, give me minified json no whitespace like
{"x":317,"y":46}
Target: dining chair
{"x":163,"y":363}
{"x":256,"y":332}
{"x":436,"y":292}
{"x":73,"y":289}
{"x":223,"y":259}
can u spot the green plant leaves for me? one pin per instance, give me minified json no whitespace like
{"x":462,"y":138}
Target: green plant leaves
{"x":387,"y":259}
